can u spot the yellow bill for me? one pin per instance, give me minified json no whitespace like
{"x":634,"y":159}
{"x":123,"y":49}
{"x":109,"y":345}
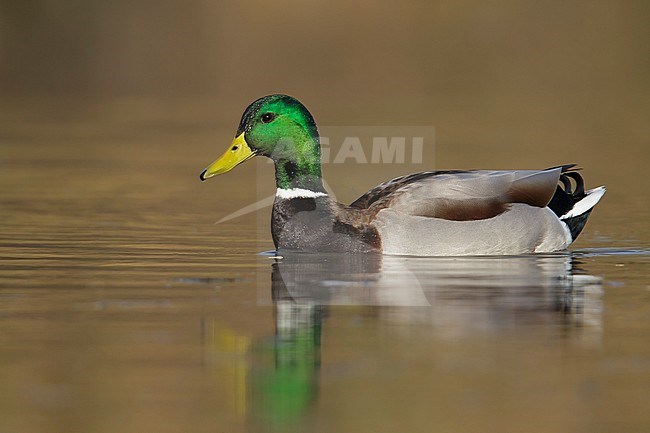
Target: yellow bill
{"x":238,"y":152}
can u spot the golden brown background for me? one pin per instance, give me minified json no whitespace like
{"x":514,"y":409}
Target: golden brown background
{"x":114,"y":277}
{"x":536,"y":83}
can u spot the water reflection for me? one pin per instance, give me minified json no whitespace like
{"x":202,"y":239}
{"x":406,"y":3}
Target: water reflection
{"x":283,"y":390}
{"x":454,"y":297}
{"x":455,"y":294}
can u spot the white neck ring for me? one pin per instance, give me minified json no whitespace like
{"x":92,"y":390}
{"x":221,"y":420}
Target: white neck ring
{"x":298,"y":193}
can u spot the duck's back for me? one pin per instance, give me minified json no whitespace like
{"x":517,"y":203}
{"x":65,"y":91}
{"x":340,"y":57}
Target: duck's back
{"x":462,"y":195}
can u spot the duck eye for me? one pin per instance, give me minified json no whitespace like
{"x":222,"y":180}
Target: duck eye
{"x":267,"y":117}
{"x":235,"y":147}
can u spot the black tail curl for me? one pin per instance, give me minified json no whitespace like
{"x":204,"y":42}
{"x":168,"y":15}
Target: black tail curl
{"x":570,"y":191}
{"x":567,"y":194}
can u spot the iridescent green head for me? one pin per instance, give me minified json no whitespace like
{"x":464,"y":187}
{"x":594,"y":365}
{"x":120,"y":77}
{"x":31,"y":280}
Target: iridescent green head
{"x":281,"y":128}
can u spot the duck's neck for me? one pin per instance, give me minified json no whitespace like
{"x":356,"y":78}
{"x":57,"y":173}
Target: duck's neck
{"x":290,"y":175}
{"x":300,"y":169}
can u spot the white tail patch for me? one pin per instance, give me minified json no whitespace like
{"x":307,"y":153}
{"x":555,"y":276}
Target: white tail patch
{"x":589,"y":201}
{"x":298,"y":193}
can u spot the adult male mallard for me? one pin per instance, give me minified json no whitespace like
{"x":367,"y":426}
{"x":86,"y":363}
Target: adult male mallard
{"x":434,"y":213}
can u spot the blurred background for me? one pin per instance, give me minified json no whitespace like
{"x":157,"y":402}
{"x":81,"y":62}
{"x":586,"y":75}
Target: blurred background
{"x":519,"y":72}
{"x":506,"y":85}
{"x":124,"y":308}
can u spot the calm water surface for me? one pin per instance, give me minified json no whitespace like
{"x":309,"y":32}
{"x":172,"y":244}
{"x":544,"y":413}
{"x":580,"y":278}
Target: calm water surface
{"x":123,"y":307}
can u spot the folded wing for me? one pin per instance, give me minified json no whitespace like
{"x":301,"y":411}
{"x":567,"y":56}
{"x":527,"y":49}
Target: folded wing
{"x":462,"y":195}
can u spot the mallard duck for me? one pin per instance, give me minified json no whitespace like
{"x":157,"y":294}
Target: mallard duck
{"x":433,"y":213}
